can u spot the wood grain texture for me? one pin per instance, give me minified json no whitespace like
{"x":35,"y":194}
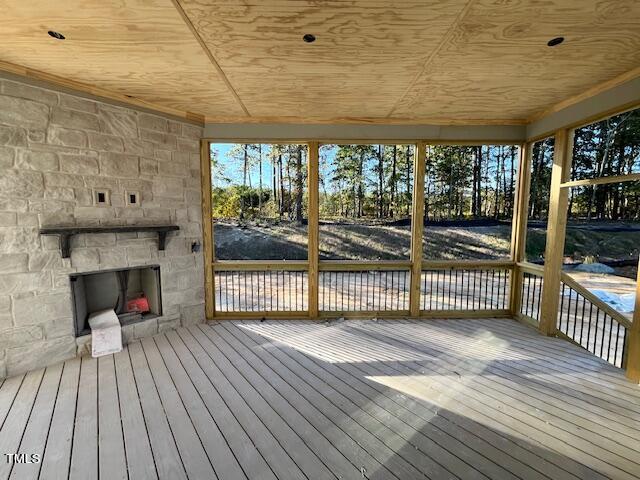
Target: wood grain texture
{"x":556,"y":229}
{"x":241,"y":400}
{"x":376,"y":62}
{"x":633,"y":354}
{"x":207,"y":229}
{"x":313,"y":227}
{"x":140,"y":48}
{"x":519,"y":226}
{"x":417,"y":227}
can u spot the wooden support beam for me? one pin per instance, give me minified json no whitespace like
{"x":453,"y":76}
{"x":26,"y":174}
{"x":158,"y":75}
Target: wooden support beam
{"x":417,"y":227}
{"x":207,"y":229}
{"x":556,"y":229}
{"x":313,"y":226}
{"x":519,"y":226}
{"x":633,"y":353}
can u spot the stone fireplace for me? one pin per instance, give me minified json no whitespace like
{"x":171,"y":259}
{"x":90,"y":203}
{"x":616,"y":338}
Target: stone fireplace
{"x":133,"y":293}
{"x":68,"y":160}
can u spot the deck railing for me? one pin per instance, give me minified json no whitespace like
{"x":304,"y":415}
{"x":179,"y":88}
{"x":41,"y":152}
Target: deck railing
{"x":274,"y":289}
{"x":364,"y":288}
{"x":587,"y":321}
{"x":465,"y":287}
{"x":530,"y":293}
{"x":261,"y":288}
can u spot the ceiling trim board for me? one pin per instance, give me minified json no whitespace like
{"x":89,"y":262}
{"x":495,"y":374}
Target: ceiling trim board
{"x":208,"y":53}
{"x":273,"y":132}
{"x":363,"y":120}
{"x":592,"y":108}
{"x":590,"y":92}
{"x":72,"y":86}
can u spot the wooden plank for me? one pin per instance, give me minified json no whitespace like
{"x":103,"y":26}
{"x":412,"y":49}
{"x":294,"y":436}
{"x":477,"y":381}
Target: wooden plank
{"x":633,"y":349}
{"x":84,"y":452}
{"x":14,"y":425}
{"x":417,"y":226}
{"x":437,"y":377}
{"x":8,"y":391}
{"x":522,"y":398}
{"x":165,"y":453}
{"x":207,"y":230}
{"x":612,"y":312}
{"x":260,"y":265}
{"x":194,"y":457}
{"x":273,"y":437}
{"x":57,"y":454}
{"x":140,"y":459}
{"x":556,"y":229}
{"x":351,"y":266}
{"x":586,"y":375}
{"x":99,"y":93}
{"x":466,"y":264}
{"x":425,"y":440}
{"x":347,"y":351}
{"x":519,"y":226}
{"x":37,"y":430}
{"x":299,"y":412}
{"x":273,"y":315}
{"x":532,"y":268}
{"x":313,"y":235}
{"x":222,"y":457}
{"x":243,"y":445}
{"x":314,"y":455}
{"x":111,"y":450}
{"x":631,"y":177}
{"x":456,"y":314}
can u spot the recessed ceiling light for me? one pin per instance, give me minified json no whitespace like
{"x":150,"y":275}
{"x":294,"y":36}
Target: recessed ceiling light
{"x":555,"y":41}
{"x":309,"y":38}
{"x":56,"y":35}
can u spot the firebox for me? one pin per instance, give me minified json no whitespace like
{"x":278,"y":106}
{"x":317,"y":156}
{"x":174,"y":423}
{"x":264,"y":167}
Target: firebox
{"x":133,"y":293}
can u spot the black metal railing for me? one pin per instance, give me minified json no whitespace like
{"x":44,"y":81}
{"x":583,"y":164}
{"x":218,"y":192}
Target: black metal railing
{"x":531,"y":296}
{"x":592,"y":325}
{"x":261,"y":291}
{"x":364,"y":291}
{"x":464,"y":289}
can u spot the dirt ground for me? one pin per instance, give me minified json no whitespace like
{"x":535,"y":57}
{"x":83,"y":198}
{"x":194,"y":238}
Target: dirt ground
{"x":366,"y":241}
{"x":288,"y":241}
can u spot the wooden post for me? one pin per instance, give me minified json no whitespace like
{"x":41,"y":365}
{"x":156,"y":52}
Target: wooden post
{"x":417,"y":227}
{"x":633,"y":339}
{"x":519,"y":226}
{"x":556,"y":229}
{"x":207,"y":229}
{"x":313,"y":226}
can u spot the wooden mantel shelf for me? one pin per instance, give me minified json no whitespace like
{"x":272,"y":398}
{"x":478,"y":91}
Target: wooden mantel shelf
{"x":65,"y":233}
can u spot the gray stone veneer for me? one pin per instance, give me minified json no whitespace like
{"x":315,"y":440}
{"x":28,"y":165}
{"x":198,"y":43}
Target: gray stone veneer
{"x":55,"y":148}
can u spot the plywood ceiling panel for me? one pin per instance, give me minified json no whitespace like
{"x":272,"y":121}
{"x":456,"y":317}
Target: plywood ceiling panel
{"x":140,"y":48}
{"x":451,"y":61}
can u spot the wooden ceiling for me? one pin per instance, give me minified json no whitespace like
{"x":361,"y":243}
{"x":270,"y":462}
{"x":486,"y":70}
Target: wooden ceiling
{"x":413,"y":61}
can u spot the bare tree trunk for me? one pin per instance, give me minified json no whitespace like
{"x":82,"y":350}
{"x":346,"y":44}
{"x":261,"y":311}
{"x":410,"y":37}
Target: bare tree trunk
{"x":299,"y":186}
{"x":260,"y":179}
{"x":409,"y":167}
{"x":393,"y":181}
{"x":281,"y":205}
{"x":244,"y":180}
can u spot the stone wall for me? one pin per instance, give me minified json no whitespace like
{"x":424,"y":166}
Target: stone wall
{"x":55,"y":149}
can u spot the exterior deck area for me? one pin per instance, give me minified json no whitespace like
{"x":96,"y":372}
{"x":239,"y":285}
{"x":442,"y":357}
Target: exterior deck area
{"x":386,"y":399}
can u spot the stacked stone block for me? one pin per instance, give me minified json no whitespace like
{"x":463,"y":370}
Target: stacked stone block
{"x":55,"y":149}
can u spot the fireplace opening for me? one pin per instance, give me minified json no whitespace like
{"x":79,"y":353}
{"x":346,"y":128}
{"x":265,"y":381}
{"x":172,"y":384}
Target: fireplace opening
{"x":133,"y":293}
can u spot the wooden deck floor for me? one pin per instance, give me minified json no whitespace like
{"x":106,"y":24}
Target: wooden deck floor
{"x":298,"y":400}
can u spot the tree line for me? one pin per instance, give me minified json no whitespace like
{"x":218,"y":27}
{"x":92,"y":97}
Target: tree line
{"x":260,"y":181}
{"x":606,"y":148}
{"x":461,"y":182}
